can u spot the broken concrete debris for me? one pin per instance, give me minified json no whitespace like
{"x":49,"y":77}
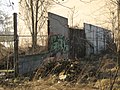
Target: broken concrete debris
{"x":74,"y":70}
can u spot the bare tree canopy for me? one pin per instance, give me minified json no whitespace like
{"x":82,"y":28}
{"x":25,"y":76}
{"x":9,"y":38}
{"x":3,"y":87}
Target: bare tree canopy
{"x":34,"y":12}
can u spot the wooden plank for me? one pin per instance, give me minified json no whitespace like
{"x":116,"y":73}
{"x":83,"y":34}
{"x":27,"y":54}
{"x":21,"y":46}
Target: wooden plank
{"x":5,"y":71}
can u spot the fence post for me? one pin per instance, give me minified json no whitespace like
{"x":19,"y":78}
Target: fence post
{"x":15,"y":45}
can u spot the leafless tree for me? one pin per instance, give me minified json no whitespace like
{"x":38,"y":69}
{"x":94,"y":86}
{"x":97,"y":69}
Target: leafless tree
{"x":34,"y":12}
{"x":114,"y":20}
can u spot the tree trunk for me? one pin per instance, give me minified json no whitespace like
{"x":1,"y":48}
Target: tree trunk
{"x":36,"y":24}
{"x":33,"y":33}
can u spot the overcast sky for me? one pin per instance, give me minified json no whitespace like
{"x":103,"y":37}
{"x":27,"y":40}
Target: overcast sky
{"x":84,"y":12}
{"x":9,"y":6}
{"x":94,"y":12}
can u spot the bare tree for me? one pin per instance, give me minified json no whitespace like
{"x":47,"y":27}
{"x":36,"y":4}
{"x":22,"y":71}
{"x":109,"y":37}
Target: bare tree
{"x":114,"y":18}
{"x":34,"y":12}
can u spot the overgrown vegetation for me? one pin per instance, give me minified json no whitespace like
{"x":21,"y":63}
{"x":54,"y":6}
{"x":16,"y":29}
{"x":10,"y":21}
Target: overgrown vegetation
{"x":56,"y":74}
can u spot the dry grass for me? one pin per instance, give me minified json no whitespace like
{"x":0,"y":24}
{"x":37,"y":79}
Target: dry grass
{"x":47,"y":85}
{"x":93,"y":75}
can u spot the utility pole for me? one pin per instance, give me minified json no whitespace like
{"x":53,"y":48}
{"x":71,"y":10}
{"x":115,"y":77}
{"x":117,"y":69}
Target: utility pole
{"x":15,"y":45}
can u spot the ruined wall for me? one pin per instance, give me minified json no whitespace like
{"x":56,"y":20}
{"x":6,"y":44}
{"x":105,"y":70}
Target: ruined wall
{"x":97,"y":37}
{"x":77,"y":43}
{"x":58,"y":34}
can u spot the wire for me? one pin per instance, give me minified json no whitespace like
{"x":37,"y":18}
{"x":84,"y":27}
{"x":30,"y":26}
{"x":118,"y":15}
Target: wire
{"x":86,"y":2}
{"x":63,"y":1}
{"x":98,"y":9}
{"x":57,"y":19}
{"x":62,"y":5}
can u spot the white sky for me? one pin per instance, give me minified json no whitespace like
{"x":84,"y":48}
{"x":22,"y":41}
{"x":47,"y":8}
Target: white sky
{"x":93,"y":13}
{"x":8,"y":7}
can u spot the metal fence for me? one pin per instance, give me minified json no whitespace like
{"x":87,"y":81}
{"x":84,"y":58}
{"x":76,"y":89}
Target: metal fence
{"x":26,"y":40}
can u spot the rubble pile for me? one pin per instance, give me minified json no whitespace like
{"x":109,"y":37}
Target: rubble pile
{"x":73,"y":71}
{"x":87,"y":70}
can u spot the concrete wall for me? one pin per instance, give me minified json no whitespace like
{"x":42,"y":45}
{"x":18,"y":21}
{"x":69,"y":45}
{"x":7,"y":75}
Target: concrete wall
{"x":97,"y":38}
{"x":58,"y":33}
{"x":77,"y":43}
{"x":58,"y":25}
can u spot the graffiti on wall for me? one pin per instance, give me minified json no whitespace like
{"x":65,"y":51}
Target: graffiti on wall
{"x":59,"y":43}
